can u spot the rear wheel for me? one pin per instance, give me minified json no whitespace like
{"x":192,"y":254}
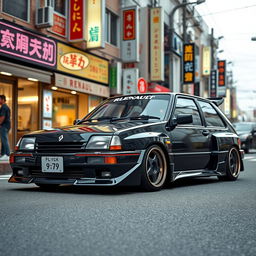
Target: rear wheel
{"x":233,"y":165}
{"x":154,"y":172}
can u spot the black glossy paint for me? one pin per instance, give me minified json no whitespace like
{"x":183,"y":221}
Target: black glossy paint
{"x":188,"y":148}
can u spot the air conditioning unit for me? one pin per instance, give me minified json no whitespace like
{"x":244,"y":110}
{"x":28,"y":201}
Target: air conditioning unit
{"x":44,"y":17}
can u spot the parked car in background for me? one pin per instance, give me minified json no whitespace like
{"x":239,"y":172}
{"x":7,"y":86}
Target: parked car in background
{"x":247,"y":134}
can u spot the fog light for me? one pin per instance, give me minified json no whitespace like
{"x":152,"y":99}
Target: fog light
{"x":110,"y":160}
{"x":105,"y":174}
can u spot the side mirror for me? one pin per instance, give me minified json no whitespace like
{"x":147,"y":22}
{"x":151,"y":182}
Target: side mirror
{"x":76,"y":121}
{"x":184,"y":119}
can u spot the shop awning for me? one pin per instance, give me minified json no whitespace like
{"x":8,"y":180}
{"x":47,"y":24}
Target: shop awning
{"x":157,"y":88}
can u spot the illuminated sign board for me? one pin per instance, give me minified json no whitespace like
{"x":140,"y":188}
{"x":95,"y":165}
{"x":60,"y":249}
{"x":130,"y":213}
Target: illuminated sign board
{"x":24,"y":45}
{"x":76,"y":20}
{"x":221,"y":73}
{"x":95,"y":20}
{"x":213,"y":84}
{"x":156,"y":44}
{"x":188,"y":63}
{"x":206,"y":60}
{"x":79,"y":63}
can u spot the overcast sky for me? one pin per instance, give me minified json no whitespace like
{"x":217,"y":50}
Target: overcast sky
{"x":236,"y":21}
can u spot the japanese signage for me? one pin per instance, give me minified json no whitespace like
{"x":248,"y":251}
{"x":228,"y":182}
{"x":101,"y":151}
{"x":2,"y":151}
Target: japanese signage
{"x":206,"y":60}
{"x":115,"y":76}
{"x":26,"y":46}
{"x":213,"y":84}
{"x":156,"y":45}
{"x":47,"y":104}
{"x":221,"y":73}
{"x":79,"y":85}
{"x":130,"y":78}
{"x":130,"y":36}
{"x":47,"y":124}
{"x":142,"y":85}
{"x":59,"y":25}
{"x":76,"y":20}
{"x":188,"y":63}
{"x":95,"y":19}
{"x":76,"y":62}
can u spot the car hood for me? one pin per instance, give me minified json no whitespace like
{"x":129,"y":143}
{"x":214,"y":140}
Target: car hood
{"x":84,"y":131}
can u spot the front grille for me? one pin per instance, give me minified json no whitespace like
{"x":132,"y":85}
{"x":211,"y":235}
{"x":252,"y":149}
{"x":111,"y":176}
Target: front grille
{"x":63,"y":147}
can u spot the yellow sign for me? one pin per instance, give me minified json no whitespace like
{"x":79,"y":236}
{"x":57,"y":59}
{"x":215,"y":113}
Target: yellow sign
{"x":79,"y":63}
{"x":206,"y":61}
{"x":156,"y":45}
{"x":95,"y":17}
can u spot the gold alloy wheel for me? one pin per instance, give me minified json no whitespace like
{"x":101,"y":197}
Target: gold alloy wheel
{"x":156,"y":167}
{"x":234,"y":163}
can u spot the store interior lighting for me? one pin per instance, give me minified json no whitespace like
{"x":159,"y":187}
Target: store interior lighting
{"x":5,"y":73}
{"x":73,"y":92}
{"x":33,"y":79}
{"x":54,"y":88}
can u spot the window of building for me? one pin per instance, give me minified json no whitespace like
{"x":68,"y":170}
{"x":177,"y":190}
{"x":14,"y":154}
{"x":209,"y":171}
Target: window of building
{"x":58,"y":5}
{"x":17,"y":8}
{"x":188,"y":107}
{"x":211,"y":116}
{"x":111,"y":31}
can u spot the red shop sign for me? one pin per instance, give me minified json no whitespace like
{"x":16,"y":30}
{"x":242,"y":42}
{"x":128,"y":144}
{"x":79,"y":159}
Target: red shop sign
{"x":76,"y":20}
{"x":142,"y":85}
{"x":129,"y":24}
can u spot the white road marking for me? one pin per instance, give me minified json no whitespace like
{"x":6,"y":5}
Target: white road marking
{"x":5,"y":177}
{"x":249,"y":157}
{"x":253,"y":160}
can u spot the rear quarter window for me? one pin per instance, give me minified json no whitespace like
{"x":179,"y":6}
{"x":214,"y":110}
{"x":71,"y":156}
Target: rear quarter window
{"x":211,"y":116}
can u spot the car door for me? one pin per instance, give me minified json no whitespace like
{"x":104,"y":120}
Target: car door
{"x":190,"y":142}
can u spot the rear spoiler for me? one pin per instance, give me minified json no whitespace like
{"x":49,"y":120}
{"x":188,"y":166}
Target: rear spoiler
{"x":216,"y":101}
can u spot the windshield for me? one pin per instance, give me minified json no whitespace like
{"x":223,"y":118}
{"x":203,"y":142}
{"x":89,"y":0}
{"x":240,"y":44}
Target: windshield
{"x":243,"y":127}
{"x":137,"y":107}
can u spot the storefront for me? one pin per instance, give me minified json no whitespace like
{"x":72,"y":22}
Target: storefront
{"x":31,"y":70}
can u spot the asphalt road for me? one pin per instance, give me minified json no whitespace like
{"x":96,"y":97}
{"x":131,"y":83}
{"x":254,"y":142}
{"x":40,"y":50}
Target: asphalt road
{"x":193,"y":217}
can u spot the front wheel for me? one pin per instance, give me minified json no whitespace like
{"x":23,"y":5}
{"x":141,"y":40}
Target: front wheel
{"x":233,"y":165}
{"x":154,"y":171}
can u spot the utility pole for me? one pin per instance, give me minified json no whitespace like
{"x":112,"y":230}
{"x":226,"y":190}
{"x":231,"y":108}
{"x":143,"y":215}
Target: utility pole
{"x":184,"y":22}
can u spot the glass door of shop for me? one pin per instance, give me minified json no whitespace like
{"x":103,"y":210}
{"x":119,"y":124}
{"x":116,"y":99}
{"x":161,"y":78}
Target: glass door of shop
{"x":7,"y":89}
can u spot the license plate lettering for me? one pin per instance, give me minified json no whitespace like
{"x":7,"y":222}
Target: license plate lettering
{"x":52,"y":164}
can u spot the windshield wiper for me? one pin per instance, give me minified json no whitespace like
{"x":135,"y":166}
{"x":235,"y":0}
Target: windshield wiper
{"x":144,"y":117}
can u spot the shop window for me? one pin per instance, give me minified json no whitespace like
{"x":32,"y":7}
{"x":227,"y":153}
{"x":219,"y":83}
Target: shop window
{"x":111,"y":31}
{"x":27,"y":107}
{"x":64,"y":109}
{"x":94,"y":101}
{"x":21,"y":9}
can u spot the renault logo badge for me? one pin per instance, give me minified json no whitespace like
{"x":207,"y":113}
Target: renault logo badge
{"x":61,"y":138}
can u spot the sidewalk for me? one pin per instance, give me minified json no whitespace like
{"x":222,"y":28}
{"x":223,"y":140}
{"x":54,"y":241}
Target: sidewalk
{"x":5,"y":167}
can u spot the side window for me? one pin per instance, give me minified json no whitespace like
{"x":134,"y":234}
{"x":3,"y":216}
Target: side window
{"x":211,"y":116}
{"x":188,"y":107}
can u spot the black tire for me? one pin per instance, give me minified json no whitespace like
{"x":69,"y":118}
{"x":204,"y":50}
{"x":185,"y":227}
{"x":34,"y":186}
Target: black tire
{"x":47,"y":187}
{"x":233,"y":165}
{"x":155,"y":171}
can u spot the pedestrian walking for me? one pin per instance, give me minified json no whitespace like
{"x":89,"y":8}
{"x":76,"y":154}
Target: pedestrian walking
{"x":5,"y":126}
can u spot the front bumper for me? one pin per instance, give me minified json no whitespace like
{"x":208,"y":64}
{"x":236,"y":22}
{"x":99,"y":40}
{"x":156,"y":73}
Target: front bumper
{"x":80,"y":169}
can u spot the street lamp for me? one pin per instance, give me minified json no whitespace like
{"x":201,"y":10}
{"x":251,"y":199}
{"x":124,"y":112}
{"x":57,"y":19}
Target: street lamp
{"x":171,"y":17}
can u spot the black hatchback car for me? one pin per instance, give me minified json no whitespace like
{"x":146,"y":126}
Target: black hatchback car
{"x":147,"y":140}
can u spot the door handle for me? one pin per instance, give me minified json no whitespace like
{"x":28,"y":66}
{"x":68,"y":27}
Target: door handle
{"x":205,"y":133}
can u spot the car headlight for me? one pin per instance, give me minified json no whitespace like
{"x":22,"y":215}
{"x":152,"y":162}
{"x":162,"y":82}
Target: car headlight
{"x":104,"y":142}
{"x":27,"y":143}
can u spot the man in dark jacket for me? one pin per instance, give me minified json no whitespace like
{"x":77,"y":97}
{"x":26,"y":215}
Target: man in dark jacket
{"x":5,"y":126}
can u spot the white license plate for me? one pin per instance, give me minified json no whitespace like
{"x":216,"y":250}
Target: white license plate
{"x":52,"y":164}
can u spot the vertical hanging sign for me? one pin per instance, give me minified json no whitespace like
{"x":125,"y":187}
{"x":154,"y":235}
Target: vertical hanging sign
{"x":130,"y":35}
{"x":76,"y":30}
{"x":156,"y":44}
{"x":189,"y":63}
{"x":95,"y":21}
{"x":213,"y":83}
{"x":221,"y":78}
{"x":206,"y":60}
{"x":130,"y":78}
